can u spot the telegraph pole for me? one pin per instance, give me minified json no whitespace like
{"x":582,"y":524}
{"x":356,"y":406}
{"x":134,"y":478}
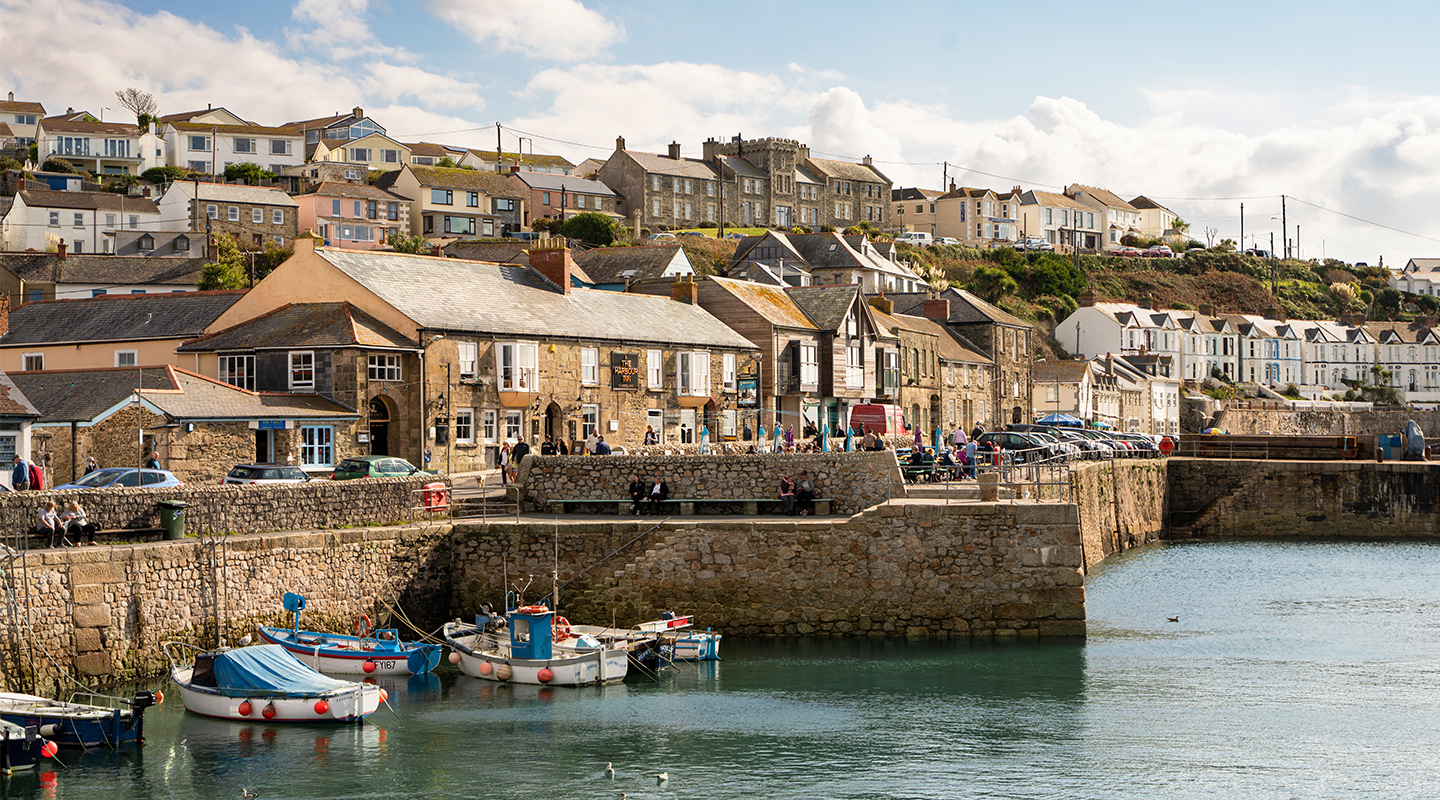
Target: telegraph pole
{"x":1284,"y":229}
{"x":1242,"y":228}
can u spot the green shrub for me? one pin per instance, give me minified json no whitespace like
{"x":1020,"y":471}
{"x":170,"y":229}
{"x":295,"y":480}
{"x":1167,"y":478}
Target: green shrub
{"x":60,"y":165}
{"x":164,"y":174}
{"x":707,"y":224}
{"x":589,"y":227}
{"x":249,"y":172}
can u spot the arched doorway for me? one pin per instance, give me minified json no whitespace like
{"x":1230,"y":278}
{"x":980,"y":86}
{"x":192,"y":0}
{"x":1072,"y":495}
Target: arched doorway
{"x":379,"y":426}
{"x":552,"y":423}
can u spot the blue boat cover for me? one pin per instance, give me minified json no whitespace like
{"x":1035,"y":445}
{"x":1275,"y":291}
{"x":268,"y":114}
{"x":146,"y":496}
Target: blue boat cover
{"x":268,"y":670}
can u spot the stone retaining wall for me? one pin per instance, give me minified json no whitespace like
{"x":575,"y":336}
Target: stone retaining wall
{"x":851,"y":481}
{"x":1122,"y":504}
{"x":900,"y":569}
{"x":241,"y":509}
{"x":103,"y":612}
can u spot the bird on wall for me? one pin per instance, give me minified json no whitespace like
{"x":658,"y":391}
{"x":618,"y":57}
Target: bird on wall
{"x":246,"y":640}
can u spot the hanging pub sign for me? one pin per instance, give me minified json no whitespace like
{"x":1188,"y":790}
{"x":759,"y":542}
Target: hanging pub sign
{"x":747,"y":385}
{"x":625,"y":370}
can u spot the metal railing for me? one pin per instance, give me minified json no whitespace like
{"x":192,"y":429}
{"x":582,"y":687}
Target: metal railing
{"x":1034,"y":474}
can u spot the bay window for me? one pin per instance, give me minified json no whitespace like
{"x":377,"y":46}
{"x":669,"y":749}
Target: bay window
{"x":317,"y":446}
{"x":518,"y":363}
{"x":693,"y":373}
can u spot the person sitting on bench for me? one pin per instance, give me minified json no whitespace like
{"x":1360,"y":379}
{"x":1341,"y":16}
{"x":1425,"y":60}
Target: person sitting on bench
{"x":76,"y":523}
{"x":659,"y":493}
{"x":805,"y":494}
{"x":48,"y":525}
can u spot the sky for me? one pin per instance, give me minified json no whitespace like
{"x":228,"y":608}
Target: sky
{"x":1200,"y":106}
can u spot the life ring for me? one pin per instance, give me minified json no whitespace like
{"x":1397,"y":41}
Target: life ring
{"x":561,"y":628}
{"x":362,"y":625}
{"x":532,"y":609}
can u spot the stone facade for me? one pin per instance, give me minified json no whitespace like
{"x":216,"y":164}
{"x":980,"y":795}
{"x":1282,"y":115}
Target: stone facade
{"x":851,"y":481}
{"x":103,"y":613}
{"x":1122,"y":504}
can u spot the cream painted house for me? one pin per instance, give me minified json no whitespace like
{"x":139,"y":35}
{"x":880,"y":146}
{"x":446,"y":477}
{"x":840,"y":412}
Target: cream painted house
{"x":1060,"y":220}
{"x":456,"y":203}
{"x":376,"y":151}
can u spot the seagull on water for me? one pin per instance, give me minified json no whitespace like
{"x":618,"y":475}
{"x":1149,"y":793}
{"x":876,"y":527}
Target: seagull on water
{"x":661,"y":777}
{"x":1173,"y":619}
{"x":609,"y":771}
{"x":249,"y":795}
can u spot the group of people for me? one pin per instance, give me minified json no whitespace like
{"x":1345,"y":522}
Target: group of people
{"x":64,"y":529}
{"x":646,"y":499}
{"x":510,"y":456}
{"x":798,"y":495}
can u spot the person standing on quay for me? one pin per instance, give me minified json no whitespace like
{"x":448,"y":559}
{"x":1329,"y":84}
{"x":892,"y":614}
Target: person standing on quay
{"x":504,"y":460}
{"x":20,"y":478}
{"x":518,"y":452}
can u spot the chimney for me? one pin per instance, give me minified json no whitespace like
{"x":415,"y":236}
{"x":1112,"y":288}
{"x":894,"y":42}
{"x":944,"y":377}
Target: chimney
{"x":304,"y":243}
{"x":357,"y":112}
{"x":60,"y":250}
{"x":866,"y":160}
{"x":952,"y":184}
{"x":1087,"y":298}
{"x":1207,"y":309}
{"x":675,"y":150}
{"x":1144,"y":302}
{"x":619,"y":143}
{"x":937,"y":308}
{"x":882,"y":303}
{"x":551,"y":258}
{"x":12,"y":97}
{"x":710,"y":149}
{"x":436,"y":251}
{"x":685,"y":290}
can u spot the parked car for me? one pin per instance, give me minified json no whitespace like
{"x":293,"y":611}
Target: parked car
{"x":1158,"y":251}
{"x":1078,"y":445}
{"x":692,"y":233}
{"x":1034,"y":244}
{"x":120,"y":477}
{"x":1125,"y":252}
{"x":1143,"y":444}
{"x":1063,"y":449}
{"x":1023,"y":448}
{"x":1259,"y":253}
{"x":915,"y":237}
{"x":251,"y":474}
{"x":946,"y":240}
{"x":659,"y":237}
{"x":373,"y":467}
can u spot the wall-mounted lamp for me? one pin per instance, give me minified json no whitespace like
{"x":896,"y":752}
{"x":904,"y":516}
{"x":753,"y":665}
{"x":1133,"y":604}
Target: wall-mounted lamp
{"x":440,"y":399}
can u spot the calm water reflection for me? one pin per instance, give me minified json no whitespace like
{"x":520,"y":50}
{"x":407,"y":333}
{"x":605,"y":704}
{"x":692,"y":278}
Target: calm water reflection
{"x":1296,"y":670}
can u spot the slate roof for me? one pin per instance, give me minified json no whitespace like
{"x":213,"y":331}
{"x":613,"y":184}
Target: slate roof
{"x":300,"y":326}
{"x":13,"y":402}
{"x":965,"y":308}
{"x":1039,"y":198}
{"x":770,"y":302}
{"x":664,"y":165}
{"x":1142,"y":202}
{"x":22,"y":107}
{"x":914,"y":193}
{"x":1103,"y":195}
{"x":194,"y":396}
{"x":355,"y":190}
{"x":108,"y":201}
{"x":848,"y":171}
{"x":54,"y":125}
{"x":492,"y":251}
{"x":1423,"y":265}
{"x":490,"y":183}
{"x":550,"y":182}
{"x":186,"y":116}
{"x":743,"y":167}
{"x":826,"y":305}
{"x":235,"y":193}
{"x":81,"y":395}
{"x":1059,"y":371}
{"x":432,"y":149}
{"x":252,"y":130}
{"x":605,"y":264}
{"x":537,"y":159}
{"x":121,"y":317}
{"x":104,"y":270}
{"x":948,"y":344}
{"x":475,"y":296}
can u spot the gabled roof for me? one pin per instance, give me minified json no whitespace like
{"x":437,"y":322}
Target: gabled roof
{"x":609,"y":265}
{"x":550,"y":182}
{"x":122,"y":317}
{"x":104,"y":270}
{"x":826,"y":305}
{"x":83,"y":394}
{"x":490,"y":183}
{"x":234,"y":193}
{"x":322,"y":122}
{"x":507,"y":252}
{"x":441,"y":294}
{"x":1143,"y":203}
{"x":664,"y":165}
{"x":965,"y":308}
{"x":949,"y":346}
{"x":771,"y":302}
{"x":194,"y":396}
{"x":1035,"y":197}
{"x":54,"y":125}
{"x":22,"y":107}
{"x":251,"y":130}
{"x":13,"y":402}
{"x":914,"y":193}
{"x":107,"y":201}
{"x":186,"y":116}
{"x":534,"y":159}
{"x":1059,"y":371}
{"x":432,"y":149}
{"x":847,"y":171}
{"x":743,"y":167}
{"x":1422,"y":265}
{"x":355,"y":190}
{"x":301,"y":326}
{"x":1105,"y":196}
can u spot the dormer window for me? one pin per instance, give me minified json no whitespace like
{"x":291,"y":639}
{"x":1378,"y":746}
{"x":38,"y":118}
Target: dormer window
{"x":182,"y":243}
{"x":146,"y":242}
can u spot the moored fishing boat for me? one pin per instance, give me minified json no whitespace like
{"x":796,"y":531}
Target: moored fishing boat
{"x":21,"y":748}
{"x":377,"y":652}
{"x":264,"y":683}
{"x":522,"y":649}
{"x":79,"y":724}
{"x":668,"y":638}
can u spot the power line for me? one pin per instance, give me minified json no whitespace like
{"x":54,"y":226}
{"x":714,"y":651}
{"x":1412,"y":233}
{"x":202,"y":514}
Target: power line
{"x":1365,"y":221}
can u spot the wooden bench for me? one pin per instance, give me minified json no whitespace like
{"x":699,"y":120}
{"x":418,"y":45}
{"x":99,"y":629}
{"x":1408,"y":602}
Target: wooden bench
{"x":687,"y":504}
{"x":104,"y":536}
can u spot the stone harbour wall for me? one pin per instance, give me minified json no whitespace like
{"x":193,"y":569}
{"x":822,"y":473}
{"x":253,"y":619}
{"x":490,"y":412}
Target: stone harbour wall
{"x":240,"y":509}
{"x":851,"y":481}
{"x":1327,"y":423}
{"x":1122,"y":504}
{"x":901,"y":569}
{"x":102,"y":613}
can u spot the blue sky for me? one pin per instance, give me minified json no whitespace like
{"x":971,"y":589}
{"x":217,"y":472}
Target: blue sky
{"x":1327,"y":102}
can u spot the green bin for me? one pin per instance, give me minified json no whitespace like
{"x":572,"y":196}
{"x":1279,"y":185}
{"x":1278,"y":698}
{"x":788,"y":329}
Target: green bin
{"x":172,"y":518}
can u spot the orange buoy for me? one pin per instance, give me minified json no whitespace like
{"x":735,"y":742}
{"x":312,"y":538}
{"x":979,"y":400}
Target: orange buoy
{"x":245,"y":708}
{"x":368,"y":666}
{"x":486,"y":668}
{"x":545,"y":675}
{"x":269,"y":712}
{"x":322,"y":707}
{"x":384,"y":695}
{"x":504,"y":672}
{"x":454,"y":657}
{"x":49,"y":749}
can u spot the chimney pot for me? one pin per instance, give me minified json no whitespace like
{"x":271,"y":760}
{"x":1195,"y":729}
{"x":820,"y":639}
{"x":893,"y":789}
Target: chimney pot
{"x":619,"y":143}
{"x":866,"y":160}
{"x":551,"y":258}
{"x":685,"y":290}
{"x":675,"y":150}
{"x":1087,"y":298}
{"x":514,"y":168}
{"x":60,"y":250}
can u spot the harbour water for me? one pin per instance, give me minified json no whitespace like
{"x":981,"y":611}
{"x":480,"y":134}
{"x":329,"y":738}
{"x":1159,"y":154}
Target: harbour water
{"x":1296,"y":670}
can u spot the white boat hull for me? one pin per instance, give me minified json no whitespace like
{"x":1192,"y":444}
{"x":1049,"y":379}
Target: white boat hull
{"x":482,"y":658}
{"x":349,"y":705}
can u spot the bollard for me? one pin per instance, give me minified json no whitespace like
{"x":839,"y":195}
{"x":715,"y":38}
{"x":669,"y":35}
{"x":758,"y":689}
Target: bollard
{"x":989,"y":487}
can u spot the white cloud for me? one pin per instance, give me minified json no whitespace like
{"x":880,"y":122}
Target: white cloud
{"x":394,"y":81}
{"x":338,"y":28}
{"x":559,"y":30}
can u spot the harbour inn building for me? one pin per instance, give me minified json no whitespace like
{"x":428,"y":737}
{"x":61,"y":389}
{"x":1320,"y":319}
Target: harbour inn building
{"x":446,"y":359}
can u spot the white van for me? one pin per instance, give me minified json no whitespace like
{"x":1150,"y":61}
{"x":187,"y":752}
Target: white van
{"x":914,"y":237}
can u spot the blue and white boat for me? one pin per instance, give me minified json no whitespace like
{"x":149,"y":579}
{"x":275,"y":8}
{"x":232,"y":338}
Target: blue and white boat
{"x":79,"y":724}
{"x":369,"y":652}
{"x":264,"y":683}
{"x":524,"y":649}
{"x":21,"y":748}
{"x":675,"y":639}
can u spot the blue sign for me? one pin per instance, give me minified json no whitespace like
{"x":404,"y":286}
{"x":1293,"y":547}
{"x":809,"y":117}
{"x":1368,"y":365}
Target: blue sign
{"x":272,"y":425}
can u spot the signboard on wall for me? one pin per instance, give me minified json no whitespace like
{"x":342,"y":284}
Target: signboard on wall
{"x":624,"y":370}
{"x":747,"y":385}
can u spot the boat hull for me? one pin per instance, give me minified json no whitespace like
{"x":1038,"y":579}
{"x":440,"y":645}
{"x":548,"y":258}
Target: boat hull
{"x":351,"y":659}
{"x":697,"y":647}
{"x":74,"y":724}
{"x":488,"y":661}
{"x":19,"y":751}
{"x":345,"y":706}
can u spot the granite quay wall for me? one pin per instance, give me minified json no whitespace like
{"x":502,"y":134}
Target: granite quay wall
{"x":241,"y":509}
{"x":851,"y":481}
{"x":101,"y":613}
{"x":1121,"y":504}
{"x":1327,"y":423}
{"x":1214,"y":498}
{"x":901,"y":569}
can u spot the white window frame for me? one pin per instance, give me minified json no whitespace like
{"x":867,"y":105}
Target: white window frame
{"x":134,"y":358}
{"x":524,"y":358}
{"x":727,"y":371}
{"x":655,"y":418}
{"x":655,"y":369}
{"x":317,"y":446}
{"x":589,"y":420}
{"x":277,"y":216}
{"x":32,"y":366}
{"x":727,"y":423}
{"x":809,"y":364}
{"x":854,"y":367}
{"x":234,"y":214}
{"x":384,"y":367}
{"x":590,"y":366}
{"x":693,"y":370}
{"x":257,"y":216}
{"x":465,"y":426}
{"x":307,"y":362}
{"x":489,"y":425}
{"x":514,"y":424}
{"x":466,"y":357}
{"x":244,"y":378}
